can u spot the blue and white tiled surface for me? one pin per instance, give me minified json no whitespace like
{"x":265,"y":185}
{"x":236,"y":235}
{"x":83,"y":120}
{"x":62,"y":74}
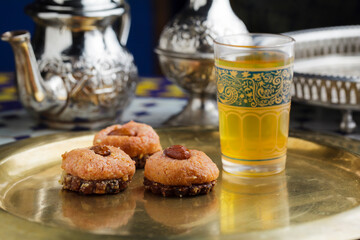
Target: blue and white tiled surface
{"x":157,"y":100}
{"x":17,"y":124}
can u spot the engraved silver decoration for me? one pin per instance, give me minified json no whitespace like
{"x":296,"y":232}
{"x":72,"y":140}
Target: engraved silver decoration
{"x":186,"y":56}
{"x":80,"y":73}
{"x":327,"y":70}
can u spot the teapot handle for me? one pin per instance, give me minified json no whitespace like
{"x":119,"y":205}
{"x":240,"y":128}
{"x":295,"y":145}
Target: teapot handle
{"x":125,"y":24}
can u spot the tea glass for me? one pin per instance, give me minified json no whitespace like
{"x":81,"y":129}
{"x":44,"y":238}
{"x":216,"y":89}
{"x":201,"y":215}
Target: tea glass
{"x":254,"y":75}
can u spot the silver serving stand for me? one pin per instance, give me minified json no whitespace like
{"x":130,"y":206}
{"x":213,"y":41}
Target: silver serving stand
{"x":327,"y":70}
{"x":186,"y":56}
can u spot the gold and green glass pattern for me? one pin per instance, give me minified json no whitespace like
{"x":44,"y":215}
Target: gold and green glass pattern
{"x":246,"y":88}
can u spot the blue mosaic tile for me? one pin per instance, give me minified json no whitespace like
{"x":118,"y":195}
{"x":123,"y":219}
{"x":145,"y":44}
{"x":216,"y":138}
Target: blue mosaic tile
{"x":11,"y":105}
{"x":21,"y":137}
{"x":149,"y":104}
{"x":140,"y":114}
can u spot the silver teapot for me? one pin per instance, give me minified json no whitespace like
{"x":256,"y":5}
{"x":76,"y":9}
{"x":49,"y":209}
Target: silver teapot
{"x":80,"y":73}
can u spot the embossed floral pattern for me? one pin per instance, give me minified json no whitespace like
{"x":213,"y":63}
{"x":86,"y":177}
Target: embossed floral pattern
{"x":253,"y":88}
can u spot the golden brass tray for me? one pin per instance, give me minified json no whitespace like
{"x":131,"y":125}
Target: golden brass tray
{"x":317,"y":197}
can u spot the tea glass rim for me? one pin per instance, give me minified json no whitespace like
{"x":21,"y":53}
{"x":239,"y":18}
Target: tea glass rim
{"x":289,"y":40}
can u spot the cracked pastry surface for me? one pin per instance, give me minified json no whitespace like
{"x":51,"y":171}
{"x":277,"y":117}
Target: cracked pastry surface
{"x":137,"y":140}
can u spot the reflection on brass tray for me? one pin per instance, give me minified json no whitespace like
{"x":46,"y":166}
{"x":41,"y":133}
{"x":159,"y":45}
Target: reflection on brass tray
{"x":317,"y":196}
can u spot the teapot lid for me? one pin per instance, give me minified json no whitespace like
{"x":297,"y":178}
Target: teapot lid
{"x":86,"y":8}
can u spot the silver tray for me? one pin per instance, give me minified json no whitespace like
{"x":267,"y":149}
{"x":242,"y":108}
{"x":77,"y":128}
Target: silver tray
{"x":327,"y":70}
{"x":317,"y":197}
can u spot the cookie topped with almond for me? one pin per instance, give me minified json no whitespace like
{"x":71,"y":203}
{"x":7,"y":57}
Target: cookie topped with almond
{"x":178,"y":171}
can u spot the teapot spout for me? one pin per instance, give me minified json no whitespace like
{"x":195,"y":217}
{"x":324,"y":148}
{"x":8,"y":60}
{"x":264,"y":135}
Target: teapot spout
{"x":31,"y":87}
